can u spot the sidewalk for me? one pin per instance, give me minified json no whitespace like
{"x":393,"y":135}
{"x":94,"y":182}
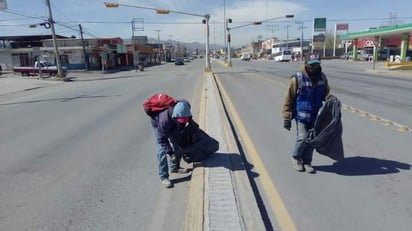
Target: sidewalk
{"x":10,"y":83}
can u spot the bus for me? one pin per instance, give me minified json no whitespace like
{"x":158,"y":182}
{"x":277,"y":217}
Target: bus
{"x":283,"y":56}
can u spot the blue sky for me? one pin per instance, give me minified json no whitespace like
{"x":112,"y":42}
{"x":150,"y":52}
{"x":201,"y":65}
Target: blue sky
{"x":99,"y":21}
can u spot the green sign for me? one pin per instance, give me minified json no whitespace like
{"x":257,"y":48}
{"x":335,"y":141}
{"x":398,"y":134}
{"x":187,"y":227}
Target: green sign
{"x":319,"y":24}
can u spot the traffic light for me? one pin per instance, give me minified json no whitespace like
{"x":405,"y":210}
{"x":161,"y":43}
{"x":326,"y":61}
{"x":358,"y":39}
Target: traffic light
{"x":257,"y":23}
{"x":229,"y":20}
{"x":46,"y":25}
{"x":159,"y":11}
{"x":204,"y":21}
{"x":228,"y":37}
{"x":111,"y":4}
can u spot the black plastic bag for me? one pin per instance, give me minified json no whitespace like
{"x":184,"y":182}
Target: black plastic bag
{"x":195,"y":144}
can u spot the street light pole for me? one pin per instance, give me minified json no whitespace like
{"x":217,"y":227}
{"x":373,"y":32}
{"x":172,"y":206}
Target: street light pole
{"x":229,"y":62}
{"x":301,"y":39}
{"x":158,"y":45}
{"x":56,"y":50}
{"x":225,"y":29}
{"x":287,"y":36}
{"x":208,"y":67}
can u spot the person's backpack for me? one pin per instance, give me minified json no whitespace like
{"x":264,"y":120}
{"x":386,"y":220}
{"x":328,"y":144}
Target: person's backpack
{"x":158,"y":103}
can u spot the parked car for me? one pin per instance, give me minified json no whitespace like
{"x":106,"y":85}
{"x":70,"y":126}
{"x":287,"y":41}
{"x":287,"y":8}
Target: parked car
{"x":346,"y":55}
{"x":179,"y":61}
{"x":364,"y":55}
{"x":46,"y":68}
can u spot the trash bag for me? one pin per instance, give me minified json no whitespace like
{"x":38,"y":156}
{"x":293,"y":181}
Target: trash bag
{"x":326,"y":136}
{"x":201,"y":149}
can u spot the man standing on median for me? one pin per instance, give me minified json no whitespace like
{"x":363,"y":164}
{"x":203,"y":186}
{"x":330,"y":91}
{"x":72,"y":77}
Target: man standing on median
{"x":304,"y":97}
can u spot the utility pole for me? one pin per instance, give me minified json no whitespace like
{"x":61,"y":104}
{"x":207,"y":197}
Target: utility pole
{"x":158,"y":45}
{"x":86,"y":64}
{"x":287,"y":36}
{"x":224,"y":30}
{"x":301,"y":39}
{"x":56,"y":50}
{"x":205,"y":21}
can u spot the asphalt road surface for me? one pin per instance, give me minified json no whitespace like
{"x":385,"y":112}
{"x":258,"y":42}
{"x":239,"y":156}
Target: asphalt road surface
{"x":370,"y":189}
{"x":81,"y":155}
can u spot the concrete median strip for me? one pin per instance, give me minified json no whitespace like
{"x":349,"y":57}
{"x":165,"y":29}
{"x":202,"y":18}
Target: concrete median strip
{"x":220,"y":195}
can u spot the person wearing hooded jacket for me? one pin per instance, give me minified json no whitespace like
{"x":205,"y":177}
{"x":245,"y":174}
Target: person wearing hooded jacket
{"x":304,"y":97}
{"x":166,"y":126}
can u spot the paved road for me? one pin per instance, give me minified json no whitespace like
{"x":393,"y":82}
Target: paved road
{"x":81,"y":155}
{"x":369,"y":190}
{"x":14,"y":87}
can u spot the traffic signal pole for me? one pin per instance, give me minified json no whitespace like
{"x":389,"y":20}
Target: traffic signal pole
{"x":206,"y":17}
{"x":249,"y":24}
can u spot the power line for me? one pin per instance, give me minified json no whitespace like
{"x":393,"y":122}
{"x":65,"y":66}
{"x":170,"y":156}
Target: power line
{"x":25,"y":15}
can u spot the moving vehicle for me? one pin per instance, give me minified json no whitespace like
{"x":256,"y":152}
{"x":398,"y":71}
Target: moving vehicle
{"x":245,"y":57}
{"x":45,"y":67}
{"x":179,"y":61}
{"x":283,"y":56}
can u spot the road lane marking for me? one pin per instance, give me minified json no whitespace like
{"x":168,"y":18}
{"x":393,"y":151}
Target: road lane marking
{"x":283,"y":217}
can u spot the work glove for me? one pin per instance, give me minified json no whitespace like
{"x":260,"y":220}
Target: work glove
{"x":287,"y":124}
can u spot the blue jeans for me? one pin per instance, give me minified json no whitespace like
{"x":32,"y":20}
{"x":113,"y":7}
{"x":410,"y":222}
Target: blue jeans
{"x":164,"y":162}
{"x":302,"y":151}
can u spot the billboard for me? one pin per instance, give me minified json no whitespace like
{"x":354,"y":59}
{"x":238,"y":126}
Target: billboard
{"x":319,"y":24}
{"x":139,"y":39}
{"x":319,"y":30}
{"x":344,"y":26}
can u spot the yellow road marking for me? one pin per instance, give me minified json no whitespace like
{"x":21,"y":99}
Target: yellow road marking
{"x":278,"y":206}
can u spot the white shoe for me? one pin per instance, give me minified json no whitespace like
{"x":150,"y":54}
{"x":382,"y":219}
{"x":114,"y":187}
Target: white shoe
{"x":297,"y":164}
{"x":166,"y":182}
{"x":309,"y":168}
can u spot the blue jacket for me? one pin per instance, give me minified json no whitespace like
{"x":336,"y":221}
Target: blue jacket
{"x":289,"y":104}
{"x":309,"y":97}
